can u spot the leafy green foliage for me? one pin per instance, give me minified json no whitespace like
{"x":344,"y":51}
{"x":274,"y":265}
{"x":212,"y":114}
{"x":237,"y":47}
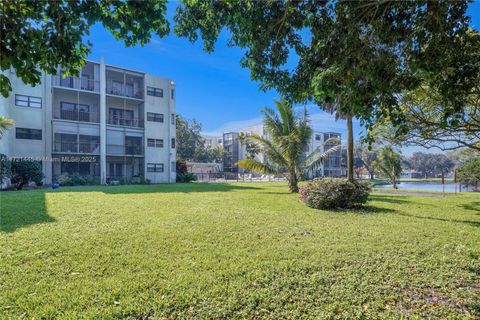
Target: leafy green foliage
{"x":25,"y":171}
{"x":4,"y":125}
{"x":334,"y":193}
{"x":389,"y":164}
{"x":186,"y":177}
{"x":469,"y":173}
{"x":46,"y":34}
{"x":191,"y":145}
{"x":5,"y":167}
{"x":76,"y":180}
{"x":235,"y":251}
{"x":430,"y":165}
{"x":287,"y":139}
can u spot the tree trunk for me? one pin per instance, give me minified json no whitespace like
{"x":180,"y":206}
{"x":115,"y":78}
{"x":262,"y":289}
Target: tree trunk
{"x":349,"y":148}
{"x":293,"y":183}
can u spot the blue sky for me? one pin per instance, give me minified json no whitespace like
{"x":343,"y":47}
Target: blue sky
{"x":212,"y":88}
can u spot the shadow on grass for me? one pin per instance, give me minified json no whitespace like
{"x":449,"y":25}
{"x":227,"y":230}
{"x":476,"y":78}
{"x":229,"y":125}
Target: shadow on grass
{"x":467,"y":222}
{"x":21,"y":209}
{"x":388,"y":199}
{"x":474,"y":206}
{"x":159,"y":188}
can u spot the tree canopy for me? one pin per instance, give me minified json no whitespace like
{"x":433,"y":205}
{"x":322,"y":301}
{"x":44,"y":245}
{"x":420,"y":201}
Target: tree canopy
{"x":41,"y":35}
{"x":191,"y":145}
{"x":430,"y":165}
{"x":353,"y":58}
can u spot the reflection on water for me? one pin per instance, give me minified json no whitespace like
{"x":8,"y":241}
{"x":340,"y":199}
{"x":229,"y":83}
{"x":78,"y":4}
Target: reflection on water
{"x":428,"y":186}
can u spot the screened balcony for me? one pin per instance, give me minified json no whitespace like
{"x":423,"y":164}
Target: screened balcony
{"x":126,"y":169}
{"x":125,"y":113}
{"x":76,"y":106}
{"x":76,"y":144}
{"x":88,"y":80}
{"x":133,"y":146}
{"x":124,"y":83}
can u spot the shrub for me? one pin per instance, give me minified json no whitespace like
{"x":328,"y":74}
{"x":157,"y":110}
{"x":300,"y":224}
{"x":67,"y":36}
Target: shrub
{"x":25,"y":171}
{"x":469,"y":173}
{"x":4,"y":167}
{"x":75,"y":179}
{"x":186,"y":177}
{"x":181,"y":166}
{"x":332,"y":193}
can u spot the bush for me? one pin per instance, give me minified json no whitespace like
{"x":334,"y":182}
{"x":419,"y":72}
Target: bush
{"x":181,"y":166}
{"x":75,"y":179}
{"x":186,"y":177}
{"x":25,"y":171}
{"x":469,"y":173}
{"x":332,"y":193}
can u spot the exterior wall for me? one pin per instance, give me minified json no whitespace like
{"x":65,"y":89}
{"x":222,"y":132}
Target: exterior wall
{"x":91,"y":90}
{"x":154,"y":130}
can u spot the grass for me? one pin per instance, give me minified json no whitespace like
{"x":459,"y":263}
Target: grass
{"x":235,"y":251}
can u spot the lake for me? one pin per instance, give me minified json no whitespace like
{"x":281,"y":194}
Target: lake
{"x":427,"y":186}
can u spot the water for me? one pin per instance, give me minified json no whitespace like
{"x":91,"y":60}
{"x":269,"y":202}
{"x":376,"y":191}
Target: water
{"x":426,"y":186}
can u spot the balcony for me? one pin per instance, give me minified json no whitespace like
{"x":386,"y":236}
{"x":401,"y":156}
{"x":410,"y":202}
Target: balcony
{"x":124,"y":90}
{"x":126,"y":122}
{"x":83,"y":83}
{"x":73,"y":147}
{"x":77,"y":115}
{"x":114,"y":149}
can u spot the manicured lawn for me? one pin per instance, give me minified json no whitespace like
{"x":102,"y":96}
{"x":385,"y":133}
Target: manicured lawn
{"x":235,"y":251}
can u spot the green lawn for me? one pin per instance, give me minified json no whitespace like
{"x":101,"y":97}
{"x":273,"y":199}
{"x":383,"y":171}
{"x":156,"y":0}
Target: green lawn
{"x":235,"y":251}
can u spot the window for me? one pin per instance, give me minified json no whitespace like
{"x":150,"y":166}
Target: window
{"x":154,"y":167}
{"x":173,"y":119}
{"x":28,"y":101}
{"x":172,"y":94}
{"x":30,"y":134}
{"x":318,"y":137}
{"x":155,"y":117}
{"x":156,"y":92}
{"x":157,"y":143}
{"x":174,"y":166}
{"x":173,"y":143}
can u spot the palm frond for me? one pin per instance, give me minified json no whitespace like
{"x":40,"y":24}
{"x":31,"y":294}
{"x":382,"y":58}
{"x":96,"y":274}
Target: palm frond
{"x":316,"y":159}
{"x":4,"y":125}
{"x":271,"y":149}
{"x":256,"y":166}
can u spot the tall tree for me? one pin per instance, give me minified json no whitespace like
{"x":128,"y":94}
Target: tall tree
{"x":353,"y":58}
{"x":389,"y":164}
{"x":285,"y":148}
{"x":41,"y":35}
{"x":189,"y":138}
{"x":430,"y":165}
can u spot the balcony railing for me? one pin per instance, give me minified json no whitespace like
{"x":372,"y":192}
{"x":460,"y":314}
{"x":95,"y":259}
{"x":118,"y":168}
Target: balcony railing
{"x":76,"y":83}
{"x":114,"y":149}
{"x":73,"y":147}
{"x":76,"y":115}
{"x":124,"y":90}
{"x":118,"y":121}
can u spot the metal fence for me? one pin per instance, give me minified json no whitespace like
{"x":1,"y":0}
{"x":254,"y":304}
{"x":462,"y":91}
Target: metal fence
{"x":237,"y":177}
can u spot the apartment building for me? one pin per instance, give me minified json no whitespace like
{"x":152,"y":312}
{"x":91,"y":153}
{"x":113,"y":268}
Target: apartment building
{"x":235,"y":151}
{"x":111,"y":123}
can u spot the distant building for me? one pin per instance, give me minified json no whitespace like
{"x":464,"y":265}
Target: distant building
{"x":235,"y":151}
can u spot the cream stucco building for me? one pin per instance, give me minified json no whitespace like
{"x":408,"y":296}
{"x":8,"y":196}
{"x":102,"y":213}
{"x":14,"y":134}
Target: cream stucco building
{"x":111,"y":123}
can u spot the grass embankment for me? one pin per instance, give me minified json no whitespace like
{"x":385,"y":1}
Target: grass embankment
{"x":235,"y":251}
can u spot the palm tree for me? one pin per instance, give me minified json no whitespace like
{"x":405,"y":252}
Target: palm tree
{"x":287,"y":140}
{"x":389,"y":164}
{"x":4,"y":125}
